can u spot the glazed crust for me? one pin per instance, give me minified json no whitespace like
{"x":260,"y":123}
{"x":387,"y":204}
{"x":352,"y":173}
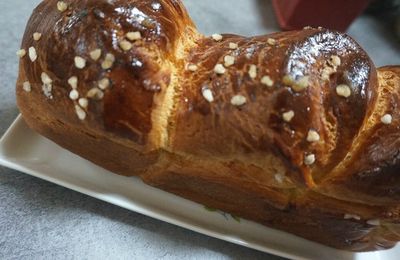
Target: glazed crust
{"x":223,"y":137}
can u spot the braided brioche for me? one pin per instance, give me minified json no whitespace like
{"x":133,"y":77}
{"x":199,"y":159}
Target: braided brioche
{"x":295,"y":130}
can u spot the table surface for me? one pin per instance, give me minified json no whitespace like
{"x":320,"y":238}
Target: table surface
{"x":41,"y":220}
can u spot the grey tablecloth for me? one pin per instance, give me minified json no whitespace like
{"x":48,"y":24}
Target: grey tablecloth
{"x":40,"y":220}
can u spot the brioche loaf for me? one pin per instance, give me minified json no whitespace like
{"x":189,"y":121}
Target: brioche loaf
{"x":295,"y":130}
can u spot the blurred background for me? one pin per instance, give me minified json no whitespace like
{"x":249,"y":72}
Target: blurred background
{"x":40,"y":220}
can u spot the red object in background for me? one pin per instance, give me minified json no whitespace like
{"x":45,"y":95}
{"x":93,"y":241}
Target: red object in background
{"x":331,"y":14}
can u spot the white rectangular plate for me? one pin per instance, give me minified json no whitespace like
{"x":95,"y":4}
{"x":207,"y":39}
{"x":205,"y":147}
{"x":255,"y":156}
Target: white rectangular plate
{"x":24,"y":150}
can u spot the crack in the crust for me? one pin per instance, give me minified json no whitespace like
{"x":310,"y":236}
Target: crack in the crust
{"x":166,"y":103}
{"x":173,"y":97}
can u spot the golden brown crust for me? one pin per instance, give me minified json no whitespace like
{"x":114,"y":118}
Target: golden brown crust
{"x":375,"y":159}
{"x":294,"y":130}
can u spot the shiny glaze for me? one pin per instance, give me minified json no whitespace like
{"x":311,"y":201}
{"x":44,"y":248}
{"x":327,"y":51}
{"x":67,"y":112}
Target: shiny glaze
{"x":257,"y":127}
{"x":137,"y":75}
